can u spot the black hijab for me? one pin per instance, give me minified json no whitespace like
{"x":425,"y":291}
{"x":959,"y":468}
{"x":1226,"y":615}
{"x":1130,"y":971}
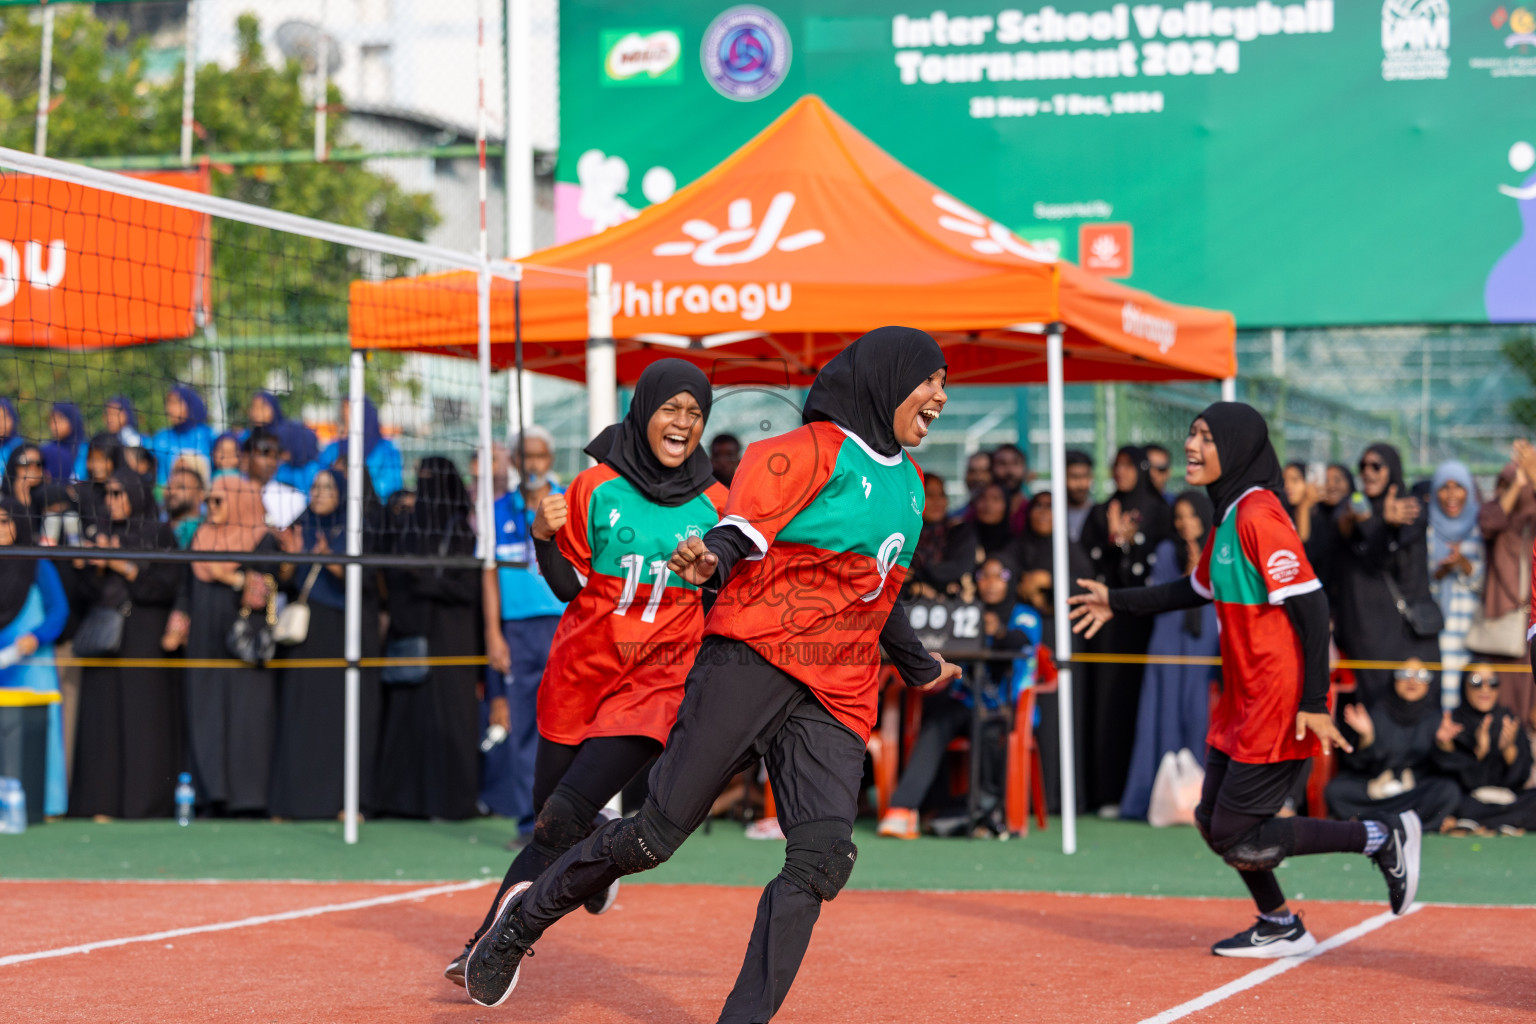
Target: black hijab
{"x":1034,"y":550}
{"x":626,"y":446}
{"x":862,"y":386}
{"x":139,"y":531}
{"x":1411,"y":714}
{"x":1394,"y":464}
{"x":1349,"y":476}
{"x":440,"y":520}
{"x":16,"y":574}
{"x":1248,"y":460}
{"x":1200,"y":505}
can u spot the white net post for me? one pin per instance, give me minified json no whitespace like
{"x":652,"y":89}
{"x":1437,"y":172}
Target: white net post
{"x":1061,"y":573}
{"x":602,"y":366}
{"x":353,"y":644}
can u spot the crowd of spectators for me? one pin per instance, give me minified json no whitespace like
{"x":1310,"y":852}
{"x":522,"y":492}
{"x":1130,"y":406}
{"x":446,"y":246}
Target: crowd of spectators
{"x":1420,"y":575}
{"x":1417,"y":576}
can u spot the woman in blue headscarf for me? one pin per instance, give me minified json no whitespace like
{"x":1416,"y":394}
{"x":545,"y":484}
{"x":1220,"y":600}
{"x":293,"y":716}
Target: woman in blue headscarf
{"x":64,"y":456}
{"x":122,"y":421}
{"x":307,"y":764}
{"x":10,"y":430}
{"x":188,"y":432}
{"x":299,"y":442}
{"x":1455,"y":568}
{"x":379,"y":453}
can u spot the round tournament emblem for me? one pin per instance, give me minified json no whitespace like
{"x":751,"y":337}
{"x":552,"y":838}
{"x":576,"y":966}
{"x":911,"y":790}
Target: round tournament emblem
{"x":745,"y":53}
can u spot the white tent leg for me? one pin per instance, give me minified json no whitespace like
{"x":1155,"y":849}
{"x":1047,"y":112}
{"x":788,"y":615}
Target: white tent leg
{"x":1229,"y":389}
{"x":353,"y":631}
{"x":1061,"y":571}
{"x":602,"y":367}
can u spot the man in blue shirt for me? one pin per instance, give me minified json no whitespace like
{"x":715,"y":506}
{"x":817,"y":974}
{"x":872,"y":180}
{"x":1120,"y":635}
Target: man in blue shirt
{"x":521,"y":614}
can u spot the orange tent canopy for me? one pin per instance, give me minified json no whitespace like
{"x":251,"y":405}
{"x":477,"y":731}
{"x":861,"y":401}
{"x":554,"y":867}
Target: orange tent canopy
{"x":804,"y":238}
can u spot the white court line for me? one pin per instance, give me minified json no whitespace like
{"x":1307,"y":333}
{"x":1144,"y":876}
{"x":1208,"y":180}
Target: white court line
{"x":1275,"y":968}
{"x":244,"y":922}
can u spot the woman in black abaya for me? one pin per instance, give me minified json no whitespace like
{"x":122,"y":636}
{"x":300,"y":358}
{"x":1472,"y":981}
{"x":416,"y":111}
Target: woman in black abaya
{"x":307,"y":763}
{"x":429,"y":757}
{"x":1384,"y":560}
{"x":1121,"y":538}
{"x":128,"y":735}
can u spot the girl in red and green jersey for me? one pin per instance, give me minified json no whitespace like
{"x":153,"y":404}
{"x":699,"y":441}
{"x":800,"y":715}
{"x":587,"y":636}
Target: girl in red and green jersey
{"x":1273,"y":712}
{"x":614,"y":678}
{"x":817,"y":535}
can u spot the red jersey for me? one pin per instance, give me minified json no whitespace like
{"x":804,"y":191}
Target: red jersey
{"x":1252,"y":562}
{"x":625,"y":644}
{"x":834,"y":524}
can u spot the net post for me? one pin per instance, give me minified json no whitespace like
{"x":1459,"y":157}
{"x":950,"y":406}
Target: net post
{"x":189,"y":84}
{"x":44,"y":82}
{"x":1229,"y":389}
{"x":485,"y":498}
{"x":353,"y":638}
{"x":1060,"y":573}
{"x":602,"y":365}
{"x":517,"y":162}
{"x":322,"y":84}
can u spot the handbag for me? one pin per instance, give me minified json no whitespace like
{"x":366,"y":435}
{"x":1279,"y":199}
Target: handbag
{"x":1502,"y":636}
{"x":405,"y":675}
{"x":293,"y":622}
{"x":1423,"y":616}
{"x":250,"y":638}
{"x":100,"y":634}
{"x":1176,"y":790}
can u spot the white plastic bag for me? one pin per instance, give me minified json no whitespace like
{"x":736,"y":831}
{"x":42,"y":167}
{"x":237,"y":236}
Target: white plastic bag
{"x":1176,"y":790}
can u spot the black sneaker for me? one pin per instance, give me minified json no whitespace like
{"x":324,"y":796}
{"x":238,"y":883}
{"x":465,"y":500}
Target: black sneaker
{"x":1398,"y":859}
{"x":1267,"y":941}
{"x":602,"y":902}
{"x":490,"y":973}
{"x":454,"y":972}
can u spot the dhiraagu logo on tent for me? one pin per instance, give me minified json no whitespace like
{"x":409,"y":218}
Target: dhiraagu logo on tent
{"x":642,"y":56}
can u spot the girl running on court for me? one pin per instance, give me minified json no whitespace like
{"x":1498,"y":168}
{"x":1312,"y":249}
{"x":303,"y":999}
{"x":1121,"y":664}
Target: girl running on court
{"x":818,"y":532}
{"x":1274,"y":658}
{"x":616,"y":667}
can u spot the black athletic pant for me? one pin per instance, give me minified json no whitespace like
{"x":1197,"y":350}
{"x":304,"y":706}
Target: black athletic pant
{"x":592,"y":772}
{"x":737,"y":708}
{"x":1237,"y":809}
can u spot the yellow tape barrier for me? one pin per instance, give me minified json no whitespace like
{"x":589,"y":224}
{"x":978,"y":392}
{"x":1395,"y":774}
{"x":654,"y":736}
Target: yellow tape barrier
{"x":1349,"y":663}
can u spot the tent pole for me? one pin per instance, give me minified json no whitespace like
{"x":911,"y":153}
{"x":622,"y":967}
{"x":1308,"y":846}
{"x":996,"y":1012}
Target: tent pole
{"x":44,"y":82}
{"x":1229,"y":389}
{"x":1062,"y":586}
{"x":352,"y":640}
{"x":602,"y":367}
{"x":485,"y":502}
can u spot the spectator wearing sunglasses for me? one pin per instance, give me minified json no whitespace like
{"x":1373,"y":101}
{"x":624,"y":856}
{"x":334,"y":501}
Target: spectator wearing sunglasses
{"x":1392,"y":768}
{"x":1385,"y":611}
{"x":263,"y":456}
{"x":1483,"y":747}
{"x":1160,"y":470}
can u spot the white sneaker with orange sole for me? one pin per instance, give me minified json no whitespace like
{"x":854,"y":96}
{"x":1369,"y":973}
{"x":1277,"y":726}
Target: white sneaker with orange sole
{"x":899,"y":823}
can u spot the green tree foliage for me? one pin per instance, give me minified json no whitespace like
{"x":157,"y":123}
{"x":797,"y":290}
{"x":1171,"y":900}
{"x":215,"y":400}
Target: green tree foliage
{"x":279,"y":301}
{"x":1520,"y":350}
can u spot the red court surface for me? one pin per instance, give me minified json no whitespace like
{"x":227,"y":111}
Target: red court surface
{"x":669,"y":953}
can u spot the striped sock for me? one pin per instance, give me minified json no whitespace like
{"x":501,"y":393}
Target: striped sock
{"x":1375,"y":837}
{"x":1284,"y":920}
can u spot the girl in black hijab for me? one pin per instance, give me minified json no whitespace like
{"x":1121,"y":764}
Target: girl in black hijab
{"x":429,"y":754}
{"x":129,"y":731}
{"x":1483,"y":746}
{"x":1384,"y":608}
{"x":829,"y":514}
{"x":1274,"y":652}
{"x":603,"y":716}
{"x":1391,"y":769}
{"x":1121,"y":538}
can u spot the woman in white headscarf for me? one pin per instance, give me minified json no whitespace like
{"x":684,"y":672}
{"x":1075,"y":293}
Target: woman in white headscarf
{"x":1455,"y":568}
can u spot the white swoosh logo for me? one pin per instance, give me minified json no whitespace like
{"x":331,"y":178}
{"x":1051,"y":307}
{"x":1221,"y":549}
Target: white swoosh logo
{"x":1529,"y":192}
{"x":1266,"y":940}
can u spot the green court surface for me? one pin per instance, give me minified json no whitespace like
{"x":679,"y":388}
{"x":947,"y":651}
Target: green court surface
{"x":1112,"y":857}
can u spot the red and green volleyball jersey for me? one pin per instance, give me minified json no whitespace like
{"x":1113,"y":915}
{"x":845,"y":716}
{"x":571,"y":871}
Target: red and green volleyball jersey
{"x":834,"y":524}
{"x":1252,"y":562}
{"x":625,"y":644}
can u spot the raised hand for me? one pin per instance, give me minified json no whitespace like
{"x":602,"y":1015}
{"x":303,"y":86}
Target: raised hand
{"x":1091,"y":610}
{"x":1507,"y":733}
{"x":1400,"y":511}
{"x":1484,"y":737}
{"x":693,"y":561}
{"x":1359,"y":719}
{"x":1445,"y":736}
{"x":1523,"y":454}
{"x":553,"y":513}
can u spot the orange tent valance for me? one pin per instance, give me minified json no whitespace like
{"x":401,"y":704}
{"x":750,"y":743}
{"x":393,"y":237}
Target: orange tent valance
{"x":806,"y":237}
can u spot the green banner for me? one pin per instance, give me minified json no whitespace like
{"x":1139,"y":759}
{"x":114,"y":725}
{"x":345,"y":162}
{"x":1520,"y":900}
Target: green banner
{"x":1298,"y":163}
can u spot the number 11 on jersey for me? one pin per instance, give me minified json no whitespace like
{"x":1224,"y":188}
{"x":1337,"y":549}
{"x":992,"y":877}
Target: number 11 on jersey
{"x":634,"y":565}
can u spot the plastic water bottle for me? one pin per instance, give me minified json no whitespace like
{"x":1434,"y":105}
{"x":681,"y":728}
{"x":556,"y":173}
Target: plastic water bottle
{"x":186,"y":796}
{"x":13,"y":807}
